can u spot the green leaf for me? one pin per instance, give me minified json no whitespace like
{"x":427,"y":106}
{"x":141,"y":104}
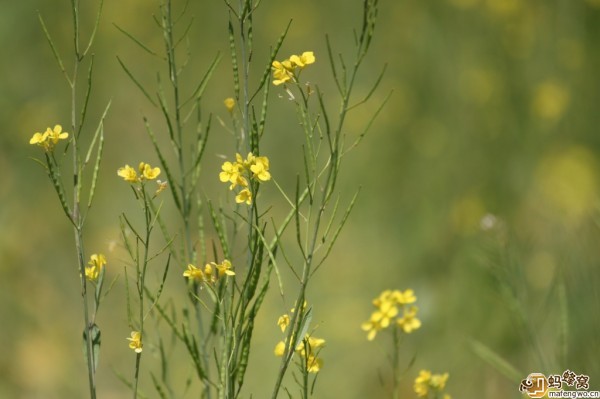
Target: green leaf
{"x":54,"y":51}
{"x":136,"y":82}
{"x":496,"y":361}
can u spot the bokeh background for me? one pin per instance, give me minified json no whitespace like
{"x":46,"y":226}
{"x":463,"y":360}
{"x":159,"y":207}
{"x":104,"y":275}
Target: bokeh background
{"x":480,"y":186}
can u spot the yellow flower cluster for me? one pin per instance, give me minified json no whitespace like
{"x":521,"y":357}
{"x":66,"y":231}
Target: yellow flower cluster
{"x":146,"y":172}
{"x":426,"y":382}
{"x":388,"y":304}
{"x":135,"y":341}
{"x":49,"y":138}
{"x":241,"y":171}
{"x":209,"y":274}
{"x":285,"y":70}
{"x":95,"y":267}
{"x":307,"y":349}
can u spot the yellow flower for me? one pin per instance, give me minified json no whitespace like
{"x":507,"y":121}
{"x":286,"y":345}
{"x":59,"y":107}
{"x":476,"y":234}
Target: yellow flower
{"x":136,"y":341}
{"x":371,"y":327}
{"x":209,"y":276}
{"x":385,"y":296}
{"x":229,"y":104}
{"x":260,"y":168}
{"x":39,"y":138}
{"x":426,"y":381}
{"x":246,"y":163}
{"x":282,"y":71}
{"x":231,"y":172}
{"x":283,"y":322}
{"x":438,"y":381}
{"x":56,"y":134}
{"x":244,"y":196}
{"x":128,"y":174}
{"x":149,"y":172}
{"x":279,"y":349}
{"x":380,"y":319}
{"x":409,"y":322}
{"x":307,"y":58}
{"x":193,"y":273}
{"x":421,"y":386}
{"x":314,"y":364}
{"x":405,"y":297}
{"x":49,"y":138}
{"x":96,"y":264}
{"x":314,"y":343}
{"x":224,"y":268}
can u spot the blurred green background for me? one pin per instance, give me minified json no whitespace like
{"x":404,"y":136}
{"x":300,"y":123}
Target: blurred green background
{"x":480,"y":186}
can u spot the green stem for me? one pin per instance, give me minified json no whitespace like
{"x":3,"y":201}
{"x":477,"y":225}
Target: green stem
{"x":142,"y":281}
{"x":76,"y":216}
{"x":396,"y":364}
{"x":136,"y":377}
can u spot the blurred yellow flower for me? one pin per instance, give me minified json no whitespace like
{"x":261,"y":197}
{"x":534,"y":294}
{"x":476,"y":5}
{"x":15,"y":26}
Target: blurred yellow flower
{"x":314,"y":364}
{"x":244,"y":196}
{"x":421,"y":386}
{"x":409,"y":322}
{"x":229,"y":104}
{"x":307,"y":58}
{"x":405,"y":297}
{"x":150,"y":173}
{"x":567,"y":185}
{"x":550,"y":100}
{"x":136,"y":341}
{"x":388,"y":304}
{"x":282,"y":72}
{"x":427,"y":381}
{"x":279,"y":349}
{"x":261,"y":168}
{"x":372,"y":326}
{"x":308,"y":348}
{"x":283,"y":322}
{"x":193,"y":273}
{"x":95,"y":266}
{"x":49,"y":138}
{"x":208,"y":275}
{"x":231,"y":172}
{"x":56,"y":134}
{"x":224,"y":268}
{"x":128,"y":174}
{"x":310,"y":344}
{"x":438,"y":381}
{"x":386,"y":312}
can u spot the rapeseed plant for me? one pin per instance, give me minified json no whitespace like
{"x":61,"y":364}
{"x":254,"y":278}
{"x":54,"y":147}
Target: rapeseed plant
{"x":75,"y":210}
{"x":218,"y":334}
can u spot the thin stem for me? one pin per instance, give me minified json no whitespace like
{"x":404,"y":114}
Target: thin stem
{"x":396,"y":364}
{"x":136,"y":377}
{"x":76,"y":216}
